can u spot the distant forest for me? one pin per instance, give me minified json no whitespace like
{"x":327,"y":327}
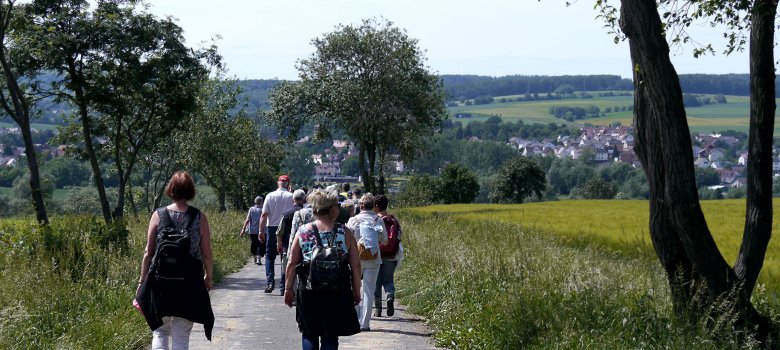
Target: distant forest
{"x":463,"y":87}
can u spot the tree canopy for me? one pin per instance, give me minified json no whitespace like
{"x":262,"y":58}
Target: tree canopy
{"x":369,"y":81}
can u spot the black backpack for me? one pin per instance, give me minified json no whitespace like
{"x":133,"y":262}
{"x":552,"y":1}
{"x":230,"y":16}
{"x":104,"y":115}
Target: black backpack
{"x":172,"y":259}
{"x":327,"y":271}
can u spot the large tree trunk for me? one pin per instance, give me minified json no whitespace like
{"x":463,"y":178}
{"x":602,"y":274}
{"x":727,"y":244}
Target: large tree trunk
{"x":362,"y":166}
{"x":371,"y":152}
{"x":664,"y":147}
{"x":86,"y":132}
{"x":35,"y":176}
{"x":758,"y":221}
{"x":222,"y":180}
{"x":381,"y":183}
{"x":19,"y":110}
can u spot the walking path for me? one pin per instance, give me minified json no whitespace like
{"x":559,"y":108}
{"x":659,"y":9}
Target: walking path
{"x":248,"y":318}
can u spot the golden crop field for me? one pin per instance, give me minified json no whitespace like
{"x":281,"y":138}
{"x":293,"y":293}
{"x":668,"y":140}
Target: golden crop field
{"x":620,"y":224}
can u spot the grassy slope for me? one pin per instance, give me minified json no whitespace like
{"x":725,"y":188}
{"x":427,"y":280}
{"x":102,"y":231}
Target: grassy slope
{"x":620,"y":225}
{"x":49,"y":301}
{"x":716,"y":117}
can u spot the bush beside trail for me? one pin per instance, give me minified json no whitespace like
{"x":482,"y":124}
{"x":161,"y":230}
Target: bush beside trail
{"x":491,"y":285}
{"x":71,"y":286}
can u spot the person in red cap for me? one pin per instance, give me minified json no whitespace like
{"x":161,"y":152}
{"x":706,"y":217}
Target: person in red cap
{"x":276,"y":203}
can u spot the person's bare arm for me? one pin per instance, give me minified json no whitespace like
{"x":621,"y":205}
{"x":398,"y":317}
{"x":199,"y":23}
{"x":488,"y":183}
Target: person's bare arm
{"x":246,"y":223}
{"x":205,"y":250}
{"x":294,"y":257}
{"x":263,"y":223}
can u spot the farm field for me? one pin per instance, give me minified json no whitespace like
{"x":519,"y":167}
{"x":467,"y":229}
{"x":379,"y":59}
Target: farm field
{"x":716,"y":117}
{"x":618,"y":225}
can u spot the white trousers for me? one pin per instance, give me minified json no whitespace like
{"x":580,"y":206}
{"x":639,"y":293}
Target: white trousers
{"x":177,"y":329}
{"x":367,"y":289}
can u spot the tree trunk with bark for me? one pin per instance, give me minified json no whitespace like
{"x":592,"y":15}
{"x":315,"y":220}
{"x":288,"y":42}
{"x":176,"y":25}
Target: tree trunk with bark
{"x":758,"y":221}
{"x":18,"y":108}
{"x":86,"y":132}
{"x":381,"y":183}
{"x":678,"y":229}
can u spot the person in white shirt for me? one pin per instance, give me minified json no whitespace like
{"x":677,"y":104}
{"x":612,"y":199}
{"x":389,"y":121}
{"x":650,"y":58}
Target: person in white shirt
{"x":368,"y":268}
{"x":276,"y":203}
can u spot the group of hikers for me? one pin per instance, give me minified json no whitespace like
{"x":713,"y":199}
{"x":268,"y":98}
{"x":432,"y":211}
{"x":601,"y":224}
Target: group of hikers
{"x":338,"y":250}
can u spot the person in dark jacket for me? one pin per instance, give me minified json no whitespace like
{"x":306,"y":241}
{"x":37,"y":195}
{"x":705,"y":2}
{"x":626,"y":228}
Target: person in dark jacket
{"x":171,"y":306}
{"x":284,"y":232}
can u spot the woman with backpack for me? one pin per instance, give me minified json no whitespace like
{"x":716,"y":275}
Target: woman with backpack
{"x":324,"y":257}
{"x":176,"y":269}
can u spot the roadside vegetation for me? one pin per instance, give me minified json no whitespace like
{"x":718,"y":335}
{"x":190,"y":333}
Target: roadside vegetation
{"x":71,"y":286}
{"x":618,"y":226}
{"x":489,"y":284}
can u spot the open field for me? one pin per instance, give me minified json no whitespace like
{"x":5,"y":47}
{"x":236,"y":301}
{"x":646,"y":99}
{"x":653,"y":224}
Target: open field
{"x":619,"y":225}
{"x":715,"y":117}
{"x":487,"y":284}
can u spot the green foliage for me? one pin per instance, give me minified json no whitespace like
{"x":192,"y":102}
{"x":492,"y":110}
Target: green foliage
{"x":368,"y":81}
{"x":67,"y":171}
{"x":419,"y":191}
{"x":595,"y":188}
{"x":23,"y":191}
{"x":70,"y":286}
{"x":297,"y":163}
{"x":517,"y":179}
{"x":706,"y":177}
{"x":457,"y":184}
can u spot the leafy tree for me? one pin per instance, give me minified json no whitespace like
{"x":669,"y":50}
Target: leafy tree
{"x":227,"y":150}
{"x":596,"y":188}
{"x":419,"y":191}
{"x":149,"y":85}
{"x":298,"y":164}
{"x":371,"y":82}
{"x":457,"y":184}
{"x":16,"y":98}
{"x":707,"y":177}
{"x":22,"y":190}
{"x":518,"y":178}
{"x":64,"y":37}
{"x":67,"y":171}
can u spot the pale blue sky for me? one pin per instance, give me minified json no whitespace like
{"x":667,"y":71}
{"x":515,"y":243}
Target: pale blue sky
{"x":263,"y":39}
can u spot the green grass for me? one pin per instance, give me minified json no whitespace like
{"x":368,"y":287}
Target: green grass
{"x":487,"y":284}
{"x":620,"y":225}
{"x":72,"y":287}
{"x":715,"y":117}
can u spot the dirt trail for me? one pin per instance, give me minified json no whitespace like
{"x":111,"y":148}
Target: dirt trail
{"x":247,"y":318}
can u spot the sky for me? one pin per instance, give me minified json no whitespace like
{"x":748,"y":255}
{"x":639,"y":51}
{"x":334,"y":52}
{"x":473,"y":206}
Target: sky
{"x":262,"y":39}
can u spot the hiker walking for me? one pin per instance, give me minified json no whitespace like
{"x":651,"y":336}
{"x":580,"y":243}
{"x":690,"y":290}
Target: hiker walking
{"x":283,"y":233}
{"x":391,"y":253}
{"x":324,"y":314}
{"x":276,"y":203}
{"x":369,"y":231}
{"x":173,"y":288}
{"x":252,"y":221}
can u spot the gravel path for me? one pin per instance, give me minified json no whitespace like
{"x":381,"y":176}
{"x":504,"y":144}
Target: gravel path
{"x":247,"y":318}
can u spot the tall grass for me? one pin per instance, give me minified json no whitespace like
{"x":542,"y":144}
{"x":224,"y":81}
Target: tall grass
{"x":493,"y":285}
{"x":621,"y":225}
{"x":71,"y":286}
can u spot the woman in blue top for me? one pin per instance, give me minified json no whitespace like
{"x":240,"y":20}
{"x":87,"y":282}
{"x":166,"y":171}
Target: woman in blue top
{"x":324,"y":316}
